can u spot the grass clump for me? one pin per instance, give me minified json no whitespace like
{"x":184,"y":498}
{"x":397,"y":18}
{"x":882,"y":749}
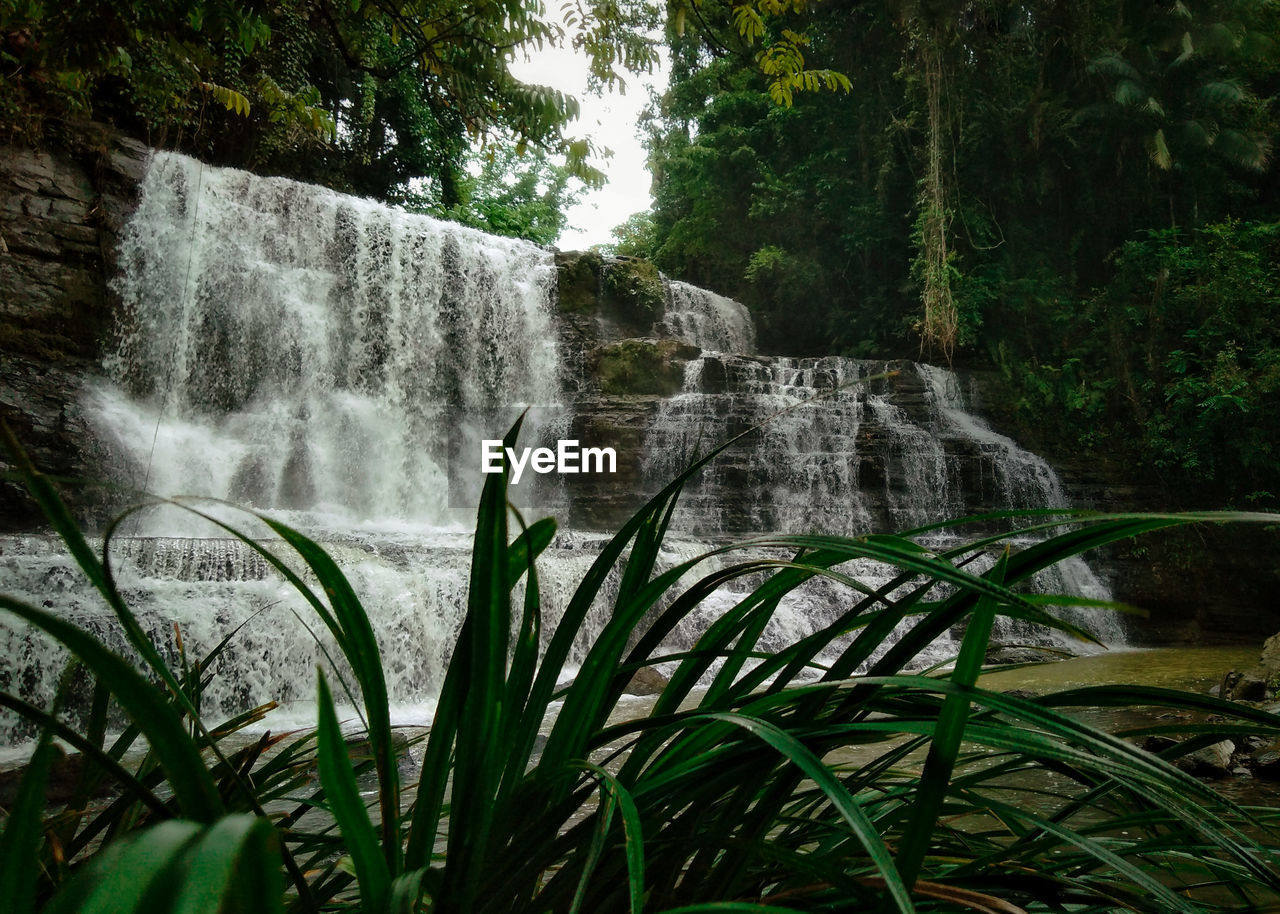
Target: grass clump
{"x":820,"y":777}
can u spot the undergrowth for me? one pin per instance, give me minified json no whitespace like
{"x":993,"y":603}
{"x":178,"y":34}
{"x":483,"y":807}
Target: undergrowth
{"x":821,"y":777}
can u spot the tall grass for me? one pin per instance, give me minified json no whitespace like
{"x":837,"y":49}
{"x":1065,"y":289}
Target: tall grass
{"x":820,"y":777}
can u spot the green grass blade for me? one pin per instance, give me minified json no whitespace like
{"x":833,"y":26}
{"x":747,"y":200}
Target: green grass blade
{"x":633,"y":840}
{"x":349,"y":810}
{"x":731,"y":907}
{"x":146,"y":706}
{"x":941,"y":760}
{"x":234,"y":866}
{"x":135,"y":875}
{"x":406,"y":889}
{"x":481,"y":652}
{"x":360,"y":647}
{"x":20,"y":841}
{"x":862,"y":827}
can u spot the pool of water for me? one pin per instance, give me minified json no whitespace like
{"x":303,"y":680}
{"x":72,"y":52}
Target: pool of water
{"x":1196,"y":669}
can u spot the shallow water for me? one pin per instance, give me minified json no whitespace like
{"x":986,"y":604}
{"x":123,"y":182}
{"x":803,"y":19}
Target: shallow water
{"x":1194,"y":668}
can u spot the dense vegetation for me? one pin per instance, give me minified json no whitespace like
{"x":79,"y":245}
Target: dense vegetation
{"x":1081,"y":195}
{"x":379,"y":98}
{"x":755,"y":782}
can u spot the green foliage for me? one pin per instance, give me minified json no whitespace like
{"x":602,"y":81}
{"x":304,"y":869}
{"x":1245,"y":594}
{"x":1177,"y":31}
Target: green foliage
{"x":756,"y":781}
{"x":1042,"y":119}
{"x":365,"y":96}
{"x":1175,"y":362}
{"x":634,"y":288}
{"x":634,"y":237}
{"x":520,"y":196}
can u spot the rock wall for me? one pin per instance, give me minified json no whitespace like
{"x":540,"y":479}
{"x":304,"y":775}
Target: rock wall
{"x":1201,"y":584}
{"x":61,"y":210}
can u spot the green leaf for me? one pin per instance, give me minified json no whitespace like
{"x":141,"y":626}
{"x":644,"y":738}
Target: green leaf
{"x":234,"y":866}
{"x":349,"y":810}
{"x":146,"y":706}
{"x":20,"y":842}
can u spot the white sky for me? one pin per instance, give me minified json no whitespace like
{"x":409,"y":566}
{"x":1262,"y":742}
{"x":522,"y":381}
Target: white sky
{"x":610,"y":121}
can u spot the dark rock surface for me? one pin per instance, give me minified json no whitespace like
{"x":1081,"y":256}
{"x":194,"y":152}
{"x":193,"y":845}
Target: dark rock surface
{"x":1200,"y":584}
{"x":61,"y":211}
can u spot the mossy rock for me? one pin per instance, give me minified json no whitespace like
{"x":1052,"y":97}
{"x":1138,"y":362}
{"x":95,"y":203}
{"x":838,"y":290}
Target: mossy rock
{"x":578,"y":280}
{"x":642,"y":367}
{"x":633,"y":290}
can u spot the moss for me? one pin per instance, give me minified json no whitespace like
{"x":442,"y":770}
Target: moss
{"x":642,"y":367}
{"x":578,"y":280}
{"x":633,"y":288}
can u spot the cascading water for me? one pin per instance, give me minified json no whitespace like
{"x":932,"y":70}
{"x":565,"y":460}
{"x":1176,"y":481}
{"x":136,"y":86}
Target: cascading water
{"x":322,"y":358}
{"x":854,"y":460}
{"x":708,"y":320}
{"x":289,"y":347}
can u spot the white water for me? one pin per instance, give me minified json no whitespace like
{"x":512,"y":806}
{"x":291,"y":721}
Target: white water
{"x":289,"y":347}
{"x":707,"y":320}
{"x":321,"y":357}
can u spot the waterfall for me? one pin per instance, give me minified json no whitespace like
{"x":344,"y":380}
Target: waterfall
{"x":707,"y":320}
{"x":285,"y":346}
{"x":331,"y":361}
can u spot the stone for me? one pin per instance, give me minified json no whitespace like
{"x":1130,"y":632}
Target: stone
{"x":1246,"y":685}
{"x":1266,"y":762}
{"x":641,"y":366}
{"x":1010,"y":654}
{"x":1270,"y":659}
{"x":1157,"y":744}
{"x":578,"y":279}
{"x":632,"y":290}
{"x":1213,"y":761}
{"x":63,"y":211}
{"x":646,"y":681}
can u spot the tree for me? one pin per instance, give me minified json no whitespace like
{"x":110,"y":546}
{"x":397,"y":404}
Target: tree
{"x":363,"y":95}
{"x":505,"y":193}
{"x":634,"y":237}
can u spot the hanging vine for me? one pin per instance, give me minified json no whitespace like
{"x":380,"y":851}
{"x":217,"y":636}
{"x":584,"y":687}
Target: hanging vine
{"x":940,"y":326}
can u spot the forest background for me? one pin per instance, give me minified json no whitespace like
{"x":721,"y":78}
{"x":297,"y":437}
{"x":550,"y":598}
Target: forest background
{"x":1076,"y":196}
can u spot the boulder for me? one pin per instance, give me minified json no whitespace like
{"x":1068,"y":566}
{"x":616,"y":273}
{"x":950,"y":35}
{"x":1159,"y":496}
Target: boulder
{"x":1213,"y":761}
{"x":1270,"y":659}
{"x":1266,"y":761}
{"x":647,"y":681}
{"x":639,"y":367}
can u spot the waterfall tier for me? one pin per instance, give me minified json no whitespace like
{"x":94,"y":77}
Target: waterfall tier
{"x":288,"y":347}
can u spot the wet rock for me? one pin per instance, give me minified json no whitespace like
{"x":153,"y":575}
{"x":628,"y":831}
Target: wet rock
{"x":633,"y":294}
{"x":647,"y":681}
{"x":1014,"y":654}
{"x":1266,"y":761}
{"x":62,"y":214}
{"x":1244,"y":685}
{"x":1270,"y":659}
{"x":578,"y":275}
{"x":1212,"y":761}
{"x":1157,"y":744}
{"x":642,"y":366}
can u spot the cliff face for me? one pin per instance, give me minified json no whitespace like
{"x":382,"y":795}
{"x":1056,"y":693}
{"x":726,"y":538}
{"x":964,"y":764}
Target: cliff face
{"x":1201,"y":584}
{"x":60,"y":215}
{"x":625,"y":362}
